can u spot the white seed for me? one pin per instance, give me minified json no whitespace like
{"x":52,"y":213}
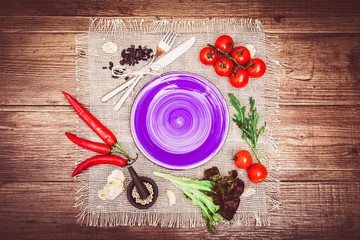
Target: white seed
{"x":147,"y":200}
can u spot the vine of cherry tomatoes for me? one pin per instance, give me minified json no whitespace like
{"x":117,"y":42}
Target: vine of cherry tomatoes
{"x":233,"y":62}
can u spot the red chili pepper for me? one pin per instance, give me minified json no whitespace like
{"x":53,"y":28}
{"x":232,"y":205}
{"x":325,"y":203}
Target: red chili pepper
{"x":99,"y":159}
{"x":104,"y":133}
{"x":92,"y":146}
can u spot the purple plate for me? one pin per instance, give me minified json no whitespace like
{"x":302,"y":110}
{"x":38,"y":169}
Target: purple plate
{"x":179,"y":120}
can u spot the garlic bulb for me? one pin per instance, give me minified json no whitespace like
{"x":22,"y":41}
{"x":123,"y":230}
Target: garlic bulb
{"x":114,"y":186}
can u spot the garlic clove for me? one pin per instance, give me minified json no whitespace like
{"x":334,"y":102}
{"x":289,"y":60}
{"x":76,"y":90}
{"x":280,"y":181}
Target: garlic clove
{"x":114,"y":192}
{"x":103,"y":193}
{"x":114,"y":187}
{"x":251,"y":49}
{"x":248,"y":191}
{"x":117,"y":183}
{"x":109,"y":47}
{"x":115,"y":175}
{"x":172,"y":197}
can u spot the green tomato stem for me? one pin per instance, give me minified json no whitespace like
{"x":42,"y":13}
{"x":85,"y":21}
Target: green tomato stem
{"x":254,"y":149}
{"x":263,"y":154}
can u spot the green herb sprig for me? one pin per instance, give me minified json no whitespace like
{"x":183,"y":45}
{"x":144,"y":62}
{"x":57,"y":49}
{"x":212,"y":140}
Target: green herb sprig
{"x":248,"y":124}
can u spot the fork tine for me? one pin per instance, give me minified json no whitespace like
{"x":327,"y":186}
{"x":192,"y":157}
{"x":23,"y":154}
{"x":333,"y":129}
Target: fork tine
{"x":163,"y":46}
{"x":173,"y":39}
{"x":165,"y":36}
{"x":170,"y":37}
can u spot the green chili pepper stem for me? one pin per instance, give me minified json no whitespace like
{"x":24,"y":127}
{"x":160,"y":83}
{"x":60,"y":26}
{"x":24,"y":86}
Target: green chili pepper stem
{"x":130,"y":160}
{"x":114,"y":151}
{"x":116,"y":144}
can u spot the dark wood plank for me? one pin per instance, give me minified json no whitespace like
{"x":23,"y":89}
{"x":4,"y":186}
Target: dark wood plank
{"x":279,"y":16}
{"x":37,"y":61}
{"x":316,"y":175}
{"x":316,"y":137}
{"x":36,"y":142}
{"x":312,"y":138}
{"x":319,"y":140}
{"x":47,"y":213}
{"x":317,"y":69}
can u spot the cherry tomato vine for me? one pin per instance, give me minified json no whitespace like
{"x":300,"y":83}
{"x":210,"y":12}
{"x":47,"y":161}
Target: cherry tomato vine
{"x":228,"y":59}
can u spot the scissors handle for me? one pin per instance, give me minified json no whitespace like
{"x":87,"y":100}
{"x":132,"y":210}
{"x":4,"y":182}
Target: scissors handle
{"x":118,"y":89}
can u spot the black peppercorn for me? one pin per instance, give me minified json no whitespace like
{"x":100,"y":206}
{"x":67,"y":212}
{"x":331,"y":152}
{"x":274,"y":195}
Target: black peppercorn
{"x":132,"y":55}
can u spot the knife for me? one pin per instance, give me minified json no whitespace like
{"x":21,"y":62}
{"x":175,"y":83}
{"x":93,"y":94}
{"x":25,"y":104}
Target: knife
{"x":157,"y":65}
{"x":173,"y":54}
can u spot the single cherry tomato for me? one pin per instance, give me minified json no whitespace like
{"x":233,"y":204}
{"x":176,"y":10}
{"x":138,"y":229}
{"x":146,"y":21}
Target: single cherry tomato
{"x":239,"y":79}
{"x":223,"y":67}
{"x":257,"y":173}
{"x":208,"y":55}
{"x":256,"y":68}
{"x":243,"y":159}
{"x":224,"y":43}
{"x":241,"y":55}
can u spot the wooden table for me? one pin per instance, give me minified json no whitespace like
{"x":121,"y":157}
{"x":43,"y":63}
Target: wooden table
{"x":319,"y":136}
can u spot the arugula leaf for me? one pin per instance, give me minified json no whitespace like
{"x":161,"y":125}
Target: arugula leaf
{"x":248,"y":125}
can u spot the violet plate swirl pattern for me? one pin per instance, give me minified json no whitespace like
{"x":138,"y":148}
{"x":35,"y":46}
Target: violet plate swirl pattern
{"x":179,"y":120}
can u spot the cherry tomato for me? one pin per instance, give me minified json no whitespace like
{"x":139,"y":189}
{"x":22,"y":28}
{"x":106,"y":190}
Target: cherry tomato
{"x":257,"y":173}
{"x":239,"y":79}
{"x":223,"y":67}
{"x":224,"y":43}
{"x":243,"y":159}
{"x":208,"y":55}
{"x":257,"y":68}
{"x":241,"y":55}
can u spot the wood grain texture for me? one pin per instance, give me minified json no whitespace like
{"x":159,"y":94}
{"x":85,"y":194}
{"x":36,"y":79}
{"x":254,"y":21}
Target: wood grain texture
{"x":307,"y":142}
{"x":317,"y":69}
{"x":279,"y":16}
{"x":318,"y":136}
{"x":302,"y":205}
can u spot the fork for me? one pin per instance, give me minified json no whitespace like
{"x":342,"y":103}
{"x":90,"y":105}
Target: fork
{"x":163,"y":47}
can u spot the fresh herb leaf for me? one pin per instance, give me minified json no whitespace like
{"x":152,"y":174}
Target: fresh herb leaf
{"x":199,"y":192}
{"x":217,"y":196}
{"x":226,"y":191}
{"x":248,"y":125}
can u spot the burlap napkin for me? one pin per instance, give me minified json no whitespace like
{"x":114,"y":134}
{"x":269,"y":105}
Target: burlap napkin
{"x":94,"y":82}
